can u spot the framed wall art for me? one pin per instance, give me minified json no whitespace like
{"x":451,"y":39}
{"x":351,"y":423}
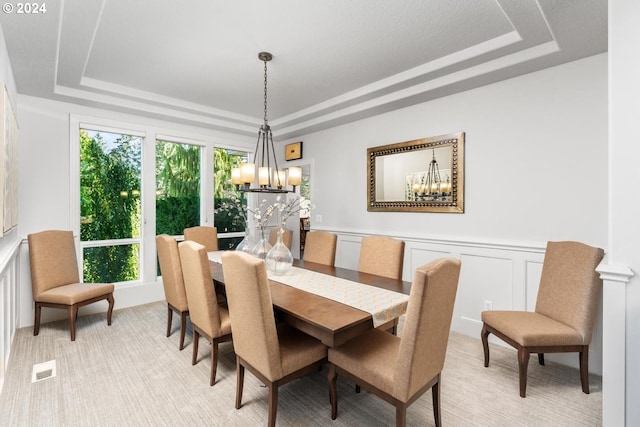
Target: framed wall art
{"x":293,"y":151}
{"x":9,"y":162}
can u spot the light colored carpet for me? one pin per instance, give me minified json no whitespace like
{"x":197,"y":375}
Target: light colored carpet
{"x":130,"y":374}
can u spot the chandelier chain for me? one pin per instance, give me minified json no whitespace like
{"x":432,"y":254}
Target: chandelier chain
{"x":265,"y":93}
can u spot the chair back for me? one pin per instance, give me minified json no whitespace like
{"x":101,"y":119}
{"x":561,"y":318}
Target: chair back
{"x":255,"y":338}
{"x":382,"y":256}
{"x":425,"y":335}
{"x":205,"y":235}
{"x":320,"y":247}
{"x":570,"y":286}
{"x":286,"y":237}
{"x":201,"y":295}
{"x":171,"y":271}
{"x":52,"y":255}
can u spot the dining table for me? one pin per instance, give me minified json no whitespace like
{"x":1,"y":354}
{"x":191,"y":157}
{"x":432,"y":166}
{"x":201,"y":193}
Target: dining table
{"x":327,"y":318}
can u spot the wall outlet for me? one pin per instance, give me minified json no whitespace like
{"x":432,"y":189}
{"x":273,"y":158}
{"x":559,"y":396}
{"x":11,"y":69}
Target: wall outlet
{"x":488,"y":305}
{"x":318,"y":218}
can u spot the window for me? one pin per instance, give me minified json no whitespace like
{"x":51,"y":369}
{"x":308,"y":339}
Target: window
{"x":227,"y":200}
{"x":138,"y":181}
{"x":110,"y":205}
{"x":177,"y":187}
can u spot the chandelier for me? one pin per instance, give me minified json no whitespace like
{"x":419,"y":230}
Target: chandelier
{"x":431,"y":186}
{"x":271,"y":179}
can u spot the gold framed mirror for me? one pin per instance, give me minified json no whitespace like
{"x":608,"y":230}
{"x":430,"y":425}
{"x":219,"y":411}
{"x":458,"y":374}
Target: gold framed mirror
{"x":424,"y":175}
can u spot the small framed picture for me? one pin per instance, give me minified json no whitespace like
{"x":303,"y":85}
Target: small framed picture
{"x":293,"y":151}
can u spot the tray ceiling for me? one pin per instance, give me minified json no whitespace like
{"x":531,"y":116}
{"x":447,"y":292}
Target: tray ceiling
{"x":335,"y":61}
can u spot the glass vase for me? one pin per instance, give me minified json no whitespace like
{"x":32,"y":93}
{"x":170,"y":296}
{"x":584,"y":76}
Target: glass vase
{"x":262,"y":246}
{"x":279,"y":259}
{"x":247,"y":244}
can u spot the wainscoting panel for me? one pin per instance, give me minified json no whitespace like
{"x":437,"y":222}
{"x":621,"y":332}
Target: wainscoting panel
{"x":9,"y":295}
{"x":417,"y":255}
{"x":533,"y":274}
{"x":348,"y":251}
{"x":483,"y":279}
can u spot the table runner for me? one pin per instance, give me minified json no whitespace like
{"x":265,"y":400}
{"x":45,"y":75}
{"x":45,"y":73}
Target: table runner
{"x":384,"y":305}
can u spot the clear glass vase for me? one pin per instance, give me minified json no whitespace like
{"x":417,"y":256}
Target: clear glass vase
{"x":279,"y":259}
{"x":247,"y":244}
{"x":262,"y":246}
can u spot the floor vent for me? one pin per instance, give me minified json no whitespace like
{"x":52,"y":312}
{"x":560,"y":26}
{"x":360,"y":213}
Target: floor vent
{"x":42,"y":371}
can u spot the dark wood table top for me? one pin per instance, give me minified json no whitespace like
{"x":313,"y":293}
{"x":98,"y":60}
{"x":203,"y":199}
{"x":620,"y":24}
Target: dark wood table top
{"x":330,"y":321}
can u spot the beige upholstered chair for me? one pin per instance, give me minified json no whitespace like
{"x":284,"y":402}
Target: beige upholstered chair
{"x":205,"y":235}
{"x":401,"y":369}
{"x":382,"y":256}
{"x":286,"y":237}
{"x":55,"y":279}
{"x":564,"y":314}
{"x":208,"y":318}
{"x":275,"y":354}
{"x":173,"y":283}
{"x":320,"y":247}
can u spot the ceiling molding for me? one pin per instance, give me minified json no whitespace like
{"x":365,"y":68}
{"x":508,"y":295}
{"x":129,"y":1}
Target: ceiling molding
{"x":68,"y":56}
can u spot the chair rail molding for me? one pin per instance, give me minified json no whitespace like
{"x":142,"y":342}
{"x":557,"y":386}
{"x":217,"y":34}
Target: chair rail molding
{"x":614,"y":307}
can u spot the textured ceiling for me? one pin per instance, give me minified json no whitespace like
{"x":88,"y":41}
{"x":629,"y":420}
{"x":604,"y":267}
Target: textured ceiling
{"x":334,"y":61}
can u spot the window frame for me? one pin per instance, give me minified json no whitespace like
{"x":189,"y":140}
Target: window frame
{"x":150,"y":134}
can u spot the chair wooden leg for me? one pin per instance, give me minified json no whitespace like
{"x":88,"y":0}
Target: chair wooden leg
{"x":541,"y":359}
{"x":435,"y":396}
{"x":169,"y":319}
{"x":196,"y":339}
{"x":183,"y":328}
{"x":73,"y":313}
{"x":36,"y":322}
{"x":401,"y":416}
{"x":110,"y":310}
{"x":333,"y":393}
{"x":273,"y":404}
{"x":523,"y":362}
{"x":214,"y":362}
{"x":239,"y":383}
{"x":584,"y":369}
{"x":485,"y":344}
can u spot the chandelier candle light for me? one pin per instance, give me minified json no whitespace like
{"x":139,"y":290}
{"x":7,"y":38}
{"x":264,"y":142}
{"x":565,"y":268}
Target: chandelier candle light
{"x":270,"y":180}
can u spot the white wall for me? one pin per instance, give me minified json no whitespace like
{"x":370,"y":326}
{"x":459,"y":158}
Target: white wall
{"x":541,"y":138}
{"x":624,"y":36}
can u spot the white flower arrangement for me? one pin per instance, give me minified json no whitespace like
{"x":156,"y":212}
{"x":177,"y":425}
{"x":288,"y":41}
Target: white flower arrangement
{"x":261,"y":214}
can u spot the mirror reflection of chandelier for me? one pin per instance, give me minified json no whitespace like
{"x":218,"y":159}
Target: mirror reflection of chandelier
{"x":271,"y":179}
{"x":430,"y":186}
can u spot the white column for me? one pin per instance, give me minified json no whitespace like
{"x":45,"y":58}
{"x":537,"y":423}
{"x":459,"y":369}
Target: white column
{"x":614,"y":304}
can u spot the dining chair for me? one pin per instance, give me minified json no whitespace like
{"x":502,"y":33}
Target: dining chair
{"x":400,"y":369}
{"x":382,"y":256}
{"x":564,"y":314}
{"x":320,"y":247}
{"x":173,"y":283}
{"x":286,"y":237}
{"x":205,"y":235}
{"x":55,"y":278}
{"x":209,"y":319}
{"x":275,"y":353}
